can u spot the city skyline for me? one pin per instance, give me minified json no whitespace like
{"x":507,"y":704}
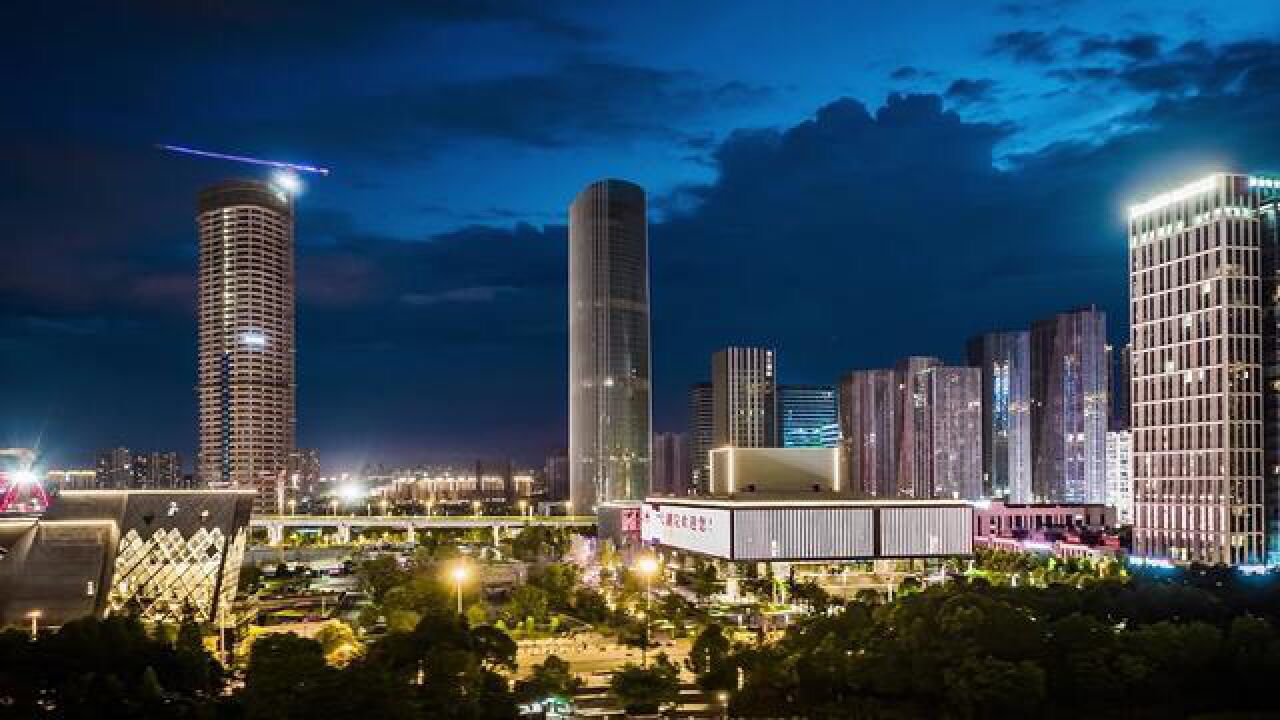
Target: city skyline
{"x":402,"y":259}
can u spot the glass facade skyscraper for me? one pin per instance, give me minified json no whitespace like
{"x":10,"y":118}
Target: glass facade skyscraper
{"x":808,"y":416}
{"x":609,"y":386}
{"x":701,"y":436}
{"x":1004,"y":359}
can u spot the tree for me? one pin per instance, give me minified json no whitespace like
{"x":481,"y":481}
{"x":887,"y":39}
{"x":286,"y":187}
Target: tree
{"x":338,"y":641}
{"x":709,"y":660}
{"x":559,"y":581}
{"x":646,"y":689}
{"x":380,"y":575}
{"x":552,"y":677}
{"x":527,"y":601}
{"x":590,"y":606}
{"x":284,"y":670}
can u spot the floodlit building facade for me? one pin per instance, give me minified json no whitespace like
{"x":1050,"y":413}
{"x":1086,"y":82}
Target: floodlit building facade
{"x":744,"y":397}
{"x":1069,"y":408}
{"x":807,"y":416}
{"x":1004,"y":358}
{"x":609,"y":386}
{"x":245,"y":376}
{"x":1203,"y":333}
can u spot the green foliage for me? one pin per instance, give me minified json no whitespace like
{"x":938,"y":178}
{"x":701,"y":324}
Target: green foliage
{"x":540,"y":542}
{"x":708,"y":660}
{"x":106,"y":668}
{"x":646,"y":689}
{"x":974,"y":650}
{"x":590,"y":606}
{"x":559,"y":581}
{"x":528,"y":601}
{"x":551,"y":677}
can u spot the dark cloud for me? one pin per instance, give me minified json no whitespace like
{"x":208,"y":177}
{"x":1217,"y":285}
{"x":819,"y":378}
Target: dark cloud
{"x":910,"y":72}
{"x":966,"y":91}
{"x":1029,"y":46}
{"x":1141,"y":47}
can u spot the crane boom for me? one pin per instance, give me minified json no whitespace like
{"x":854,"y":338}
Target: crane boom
{"x":241,"y":158}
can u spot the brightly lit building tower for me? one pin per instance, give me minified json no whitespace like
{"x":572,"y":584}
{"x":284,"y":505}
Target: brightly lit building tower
{"x":609,"y":390}
{"x":807,"y":416}
{"x":245,"y":308}
{"x":1204,"y":362}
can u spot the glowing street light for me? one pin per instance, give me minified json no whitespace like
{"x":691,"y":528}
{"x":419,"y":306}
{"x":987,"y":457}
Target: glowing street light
{"x":522,"y":505}
{"x":646,"y":567}
{"x":475,"y":507}
{"x":459,"y":575}
{"x":35,"y":623}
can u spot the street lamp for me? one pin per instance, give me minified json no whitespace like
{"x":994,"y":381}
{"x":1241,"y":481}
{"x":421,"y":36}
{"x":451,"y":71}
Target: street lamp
{"x":35,"y":623}
{"x":475,"y":507}
{"x":723,"y":698}
{"x":522,"y":505}
{"x":646,"y":567}
{"x":459,"y":575}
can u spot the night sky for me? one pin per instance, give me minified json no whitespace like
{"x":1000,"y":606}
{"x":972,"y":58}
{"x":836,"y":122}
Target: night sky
{"x":847,"y":184}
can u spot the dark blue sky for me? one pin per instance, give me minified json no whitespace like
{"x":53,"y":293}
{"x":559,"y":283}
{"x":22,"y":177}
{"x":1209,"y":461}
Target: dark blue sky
{"x":849,"y":184}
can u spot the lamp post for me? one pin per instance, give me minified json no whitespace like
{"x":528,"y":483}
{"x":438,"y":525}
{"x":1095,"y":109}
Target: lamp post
{"x":35,"y":623}
{"x":459,"y":574}
{"x":646,"y":567}
{"x":522,"y":505}
{"x":475,"y":507}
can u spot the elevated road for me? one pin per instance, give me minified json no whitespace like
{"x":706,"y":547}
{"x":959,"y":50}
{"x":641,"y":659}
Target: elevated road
{"x":409,"y":524}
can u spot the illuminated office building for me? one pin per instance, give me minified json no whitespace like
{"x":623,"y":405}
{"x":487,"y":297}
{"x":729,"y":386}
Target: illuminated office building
{"x":609,"y":388}
{"x":1069,"y":407}
{"x":1204,"y":367}
{"x":744,"y":397}
{"x":245,"y":308}
{"x":1004,"y":359}
{"x":807,"y":416}
{"x":1120,"y":475}
{"x":701,"y":436}
{"x":868,"y":427}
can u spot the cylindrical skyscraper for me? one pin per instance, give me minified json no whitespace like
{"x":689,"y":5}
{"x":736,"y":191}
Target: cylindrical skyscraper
{"x":609,"y":396}
{"x":246,"y":318}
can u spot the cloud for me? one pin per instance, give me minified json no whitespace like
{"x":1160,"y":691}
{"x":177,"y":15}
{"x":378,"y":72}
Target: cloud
{"x":966,"y":91}
{"x":910,"y":72}
{"x":1141,"y":47}
{"x":1029,"y":46}
{"x":479,"y":293}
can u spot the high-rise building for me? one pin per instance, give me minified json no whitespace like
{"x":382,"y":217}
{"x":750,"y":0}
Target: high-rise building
{"x":303,"y":486}
{"x":1268,"y":190}
{"x":914,"y":431}
{"x":915,"y":427}
{"x":670,"y":464}
{"x":868,"y":426}
{"x":557,"y":471}
{"x":808,"y":417}
{"x":609,"y":386}
{"x":744,"y":397}
{"x":701,"y":436}
{"x":1121,"y":370}
{"x":1005,"y":361}
{"x":1203,"y":334}
{"x":246,"y":381}
{"x":1069,"y":407}
{"x":955,"y":410}
{"x":1120,"y":475}
{"x":114,"y":469}
{"x":157,"y":470}
{"x":120,"y":469}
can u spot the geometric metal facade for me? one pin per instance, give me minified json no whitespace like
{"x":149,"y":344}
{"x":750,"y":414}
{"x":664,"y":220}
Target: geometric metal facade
{"x":163,"y":554}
